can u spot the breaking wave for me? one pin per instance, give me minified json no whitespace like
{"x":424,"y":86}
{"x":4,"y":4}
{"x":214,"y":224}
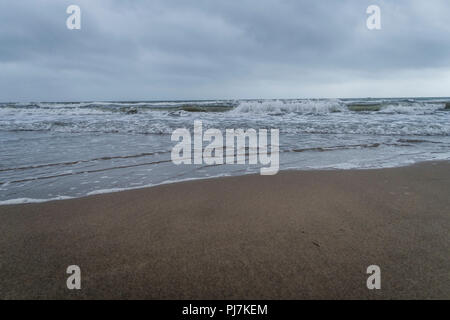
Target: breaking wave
{"x":278,"y":107}
{"x":297,"y":106}
{"x":296,"y":116}
{"x":272,"y":107}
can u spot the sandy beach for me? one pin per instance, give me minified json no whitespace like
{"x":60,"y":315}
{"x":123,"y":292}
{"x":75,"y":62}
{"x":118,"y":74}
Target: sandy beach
{"x":296,"y":235}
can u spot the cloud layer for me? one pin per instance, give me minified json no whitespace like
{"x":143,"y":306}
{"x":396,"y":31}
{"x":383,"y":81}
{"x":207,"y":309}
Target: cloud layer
{"x":203,"y":49}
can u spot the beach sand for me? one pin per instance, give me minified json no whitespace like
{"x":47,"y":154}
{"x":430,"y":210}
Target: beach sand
{"x":295,"y":235}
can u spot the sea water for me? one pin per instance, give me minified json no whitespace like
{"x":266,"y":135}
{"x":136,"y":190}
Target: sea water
{"x":60,"y":150}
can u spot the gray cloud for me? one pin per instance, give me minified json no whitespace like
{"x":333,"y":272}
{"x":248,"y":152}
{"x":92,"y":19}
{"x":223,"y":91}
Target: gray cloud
{"x":173,"y":49}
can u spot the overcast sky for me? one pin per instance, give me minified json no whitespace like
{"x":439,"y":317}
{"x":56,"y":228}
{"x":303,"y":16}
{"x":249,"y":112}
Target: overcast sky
{"x":211,"y":49}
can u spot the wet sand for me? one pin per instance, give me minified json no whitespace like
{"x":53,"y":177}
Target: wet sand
{"x":296,"y":235}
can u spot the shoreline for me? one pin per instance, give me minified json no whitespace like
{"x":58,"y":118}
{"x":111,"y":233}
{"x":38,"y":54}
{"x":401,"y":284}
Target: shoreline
{"x":14,"y":202}
{"x":296,"y":235}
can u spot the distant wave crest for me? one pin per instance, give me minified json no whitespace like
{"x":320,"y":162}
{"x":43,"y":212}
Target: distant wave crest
{"x":286,"y":106}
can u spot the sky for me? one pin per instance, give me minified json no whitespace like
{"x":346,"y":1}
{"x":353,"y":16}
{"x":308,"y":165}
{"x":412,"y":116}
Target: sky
{"x":222,"y":49}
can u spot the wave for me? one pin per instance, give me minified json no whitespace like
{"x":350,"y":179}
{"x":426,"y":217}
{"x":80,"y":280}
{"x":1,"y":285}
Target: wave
{"x":118,"y":107}
{"x":321,"y":116}
{"x":259,"y":107}
{"x":340,"y":147}
{"x":119,"y":126}
{"x":70,"y":163}
{"x":303,"y":126}
{"x":367,"y":128}
{"x":275,"y":107}
{"x":412,"y":108}
{"x":279,"y":107}
{"x":73,"y":173}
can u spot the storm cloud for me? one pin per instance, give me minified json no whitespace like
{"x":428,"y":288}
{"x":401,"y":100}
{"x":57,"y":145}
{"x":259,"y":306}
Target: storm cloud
{"x":210,"y":49}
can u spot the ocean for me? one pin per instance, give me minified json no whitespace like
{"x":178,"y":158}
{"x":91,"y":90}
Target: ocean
{"x":60,"y":150}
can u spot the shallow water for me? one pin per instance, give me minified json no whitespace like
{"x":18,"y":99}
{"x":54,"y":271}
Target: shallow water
{"x":59,"y":150}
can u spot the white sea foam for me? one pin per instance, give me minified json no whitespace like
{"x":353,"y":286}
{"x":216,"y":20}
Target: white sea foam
{"x":31,"y":200}
{"x":287,"y":106}
{"x":413,"y":108}
{"x":111,"y":190}
{"x":108,"y":190}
